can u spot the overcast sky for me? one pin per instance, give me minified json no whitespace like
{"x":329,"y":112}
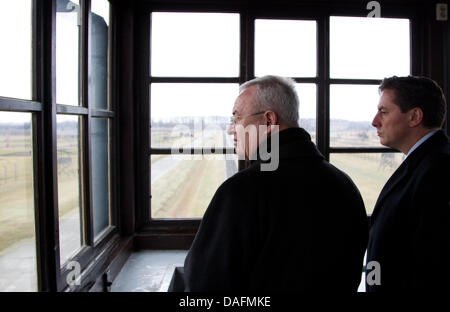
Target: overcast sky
{"x":207,"y":45}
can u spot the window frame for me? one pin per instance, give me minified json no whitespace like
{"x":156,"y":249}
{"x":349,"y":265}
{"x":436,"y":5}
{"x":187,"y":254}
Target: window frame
{"x":175,"y":80}
{"x":173,"y":233}
{"x":43,"y":107}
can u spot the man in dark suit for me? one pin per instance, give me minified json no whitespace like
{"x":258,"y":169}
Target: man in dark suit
{"x":298,"y":226}
{"x":410,"y":227}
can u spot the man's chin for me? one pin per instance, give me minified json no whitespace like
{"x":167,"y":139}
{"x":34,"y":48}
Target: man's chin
{"x":385,"y":143}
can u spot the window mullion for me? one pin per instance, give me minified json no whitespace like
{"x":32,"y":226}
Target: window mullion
{"x":323,"y":97}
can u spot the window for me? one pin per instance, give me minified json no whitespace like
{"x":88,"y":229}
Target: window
{"x":289,"y":48}
{"x":207,"y":45}
{"x":191,"y":154}
{"x":369,"y":48}
{"x":15,"y":60}
{"x":18,"y":267}
{"x":56,"y":167}
{"x":101,"y":118}
{"x":69,"y":156}
{"x":285,"y":48}
{"x":67,"y":52}
{"x":337,"y":103}
{"x":363,"y":51}
{"x":83,"y":134}
{"x":17,"y":220}
{"x":307,"y":110}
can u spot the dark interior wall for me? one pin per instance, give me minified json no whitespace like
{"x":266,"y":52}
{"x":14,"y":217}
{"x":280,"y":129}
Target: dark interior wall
{"x":434,"y":47}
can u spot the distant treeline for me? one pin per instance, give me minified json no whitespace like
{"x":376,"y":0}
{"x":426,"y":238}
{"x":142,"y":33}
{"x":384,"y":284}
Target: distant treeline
{"x":307,"y":123}
{"x":21,"y":128}
{"x":14,"y":128}
{"x":191,"y":122}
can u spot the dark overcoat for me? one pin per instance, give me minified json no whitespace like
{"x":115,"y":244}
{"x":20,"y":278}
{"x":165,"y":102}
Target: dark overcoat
{"x":410,"y":224}
{"x":301,"y":227}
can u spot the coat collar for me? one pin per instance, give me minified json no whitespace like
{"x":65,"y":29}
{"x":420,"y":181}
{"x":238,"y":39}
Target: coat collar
{"x":408,"y":166}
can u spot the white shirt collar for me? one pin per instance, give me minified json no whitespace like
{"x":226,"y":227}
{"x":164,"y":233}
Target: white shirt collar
{"x":423,"y":139}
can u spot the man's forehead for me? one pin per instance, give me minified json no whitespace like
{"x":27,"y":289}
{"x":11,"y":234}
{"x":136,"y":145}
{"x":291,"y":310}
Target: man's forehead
{"x":385,"y":97}
{"x":244,"y":100}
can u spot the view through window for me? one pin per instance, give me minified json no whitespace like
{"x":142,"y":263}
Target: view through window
{"x":361,"y":50}
{"x":191,"y":116}
{"x":18,"y":267}
{"x":21,"y":124}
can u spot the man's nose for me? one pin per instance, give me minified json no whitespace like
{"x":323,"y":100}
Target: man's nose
{"x":375,"y":121}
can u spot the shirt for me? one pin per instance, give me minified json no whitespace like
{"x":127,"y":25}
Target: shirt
{"x":423,"y":139}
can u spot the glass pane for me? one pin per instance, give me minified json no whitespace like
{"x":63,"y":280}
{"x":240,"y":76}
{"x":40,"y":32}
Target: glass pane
{"x":195,"y":44}
{"x":17,"y":228}
{"x":100,"y":173}
{"x":69,"y":187}
{"x":373,"y":48}
{"x":183,"y":185}
{"x":352,"y":109}
{"x":285,"y":48}
{"x":307,"y":97}
{"x":15,"y":54}
{"x":67,"y":52}
{"x":98,"y":63}
{"x":369,"y":172}
{"x":191,"y":115}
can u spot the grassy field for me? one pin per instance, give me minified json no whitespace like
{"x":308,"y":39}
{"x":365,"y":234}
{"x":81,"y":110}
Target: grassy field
{"x":168,"y":138}
{"x":172,"y":197}
{"x":17,"y":202}
{"x":180,"y":193}
{"x":16,"y":188}
{"x":367,"y":172}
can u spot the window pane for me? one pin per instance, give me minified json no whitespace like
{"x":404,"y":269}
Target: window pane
{"x":17,"y":228}
{"x":100,"y":173}
{"x":15,"y":54}
{"x":369,"y":172}
{"x":183,"y":185}
{"x":352,"y":109}
{"x":307,"y":97}
{"x":285,"y":48}
{"x":373,"y":48}
{"x":195,"y":44}
{"x":69,"y":188}
{"x":98,"y":63}
{"x":67,"y":52}
{"x":191,"y":115}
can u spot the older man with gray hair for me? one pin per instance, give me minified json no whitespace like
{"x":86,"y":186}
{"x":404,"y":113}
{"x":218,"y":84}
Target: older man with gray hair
{"x":299,"y":227}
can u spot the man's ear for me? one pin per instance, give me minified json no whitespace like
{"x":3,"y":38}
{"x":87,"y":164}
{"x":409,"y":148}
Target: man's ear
{"x":271,"y":120}
{"x":415,"y":117}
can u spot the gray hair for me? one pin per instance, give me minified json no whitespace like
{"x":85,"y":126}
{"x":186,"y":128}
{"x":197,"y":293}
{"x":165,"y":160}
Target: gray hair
{"x":277,"y":94}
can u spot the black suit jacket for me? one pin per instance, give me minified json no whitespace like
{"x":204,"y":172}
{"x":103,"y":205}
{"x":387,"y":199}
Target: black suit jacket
{"x":300,"y":227}
{"x":410,"y":225}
